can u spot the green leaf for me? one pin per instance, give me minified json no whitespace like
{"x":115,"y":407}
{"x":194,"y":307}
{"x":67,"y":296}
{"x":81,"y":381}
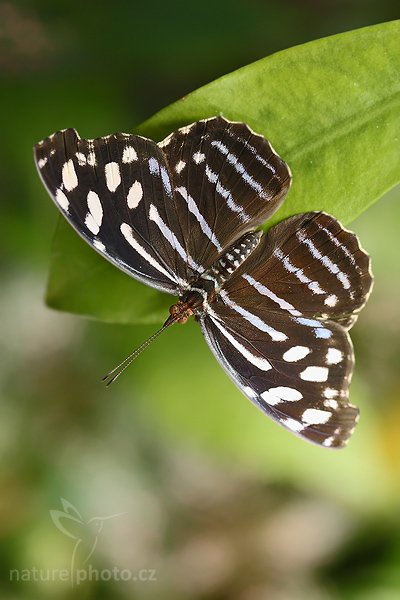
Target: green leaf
{"x":331,"y":109}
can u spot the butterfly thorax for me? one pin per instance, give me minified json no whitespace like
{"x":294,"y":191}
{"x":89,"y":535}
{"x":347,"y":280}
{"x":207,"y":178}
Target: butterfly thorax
{"x":203,"y":290}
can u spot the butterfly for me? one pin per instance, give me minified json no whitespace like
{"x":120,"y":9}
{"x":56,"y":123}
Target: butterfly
{"x":182,"y":216}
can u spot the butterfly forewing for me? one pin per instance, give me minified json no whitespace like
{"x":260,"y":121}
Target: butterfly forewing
{"x":164,"y":212}
{"x":228,"y":180}
{"x":117,"y":192}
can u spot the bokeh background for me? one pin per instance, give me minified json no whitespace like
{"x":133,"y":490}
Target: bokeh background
{"x":216,"y":500}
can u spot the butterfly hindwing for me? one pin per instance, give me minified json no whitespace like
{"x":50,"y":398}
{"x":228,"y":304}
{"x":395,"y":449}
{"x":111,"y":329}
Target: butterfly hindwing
{"x":309,"y":266}
{"x":279,"y":325}
{"x":299,"y":380}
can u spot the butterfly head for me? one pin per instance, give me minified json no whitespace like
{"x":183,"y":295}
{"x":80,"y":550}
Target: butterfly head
{"x":180,"y":312}
{"x":185,"y":307}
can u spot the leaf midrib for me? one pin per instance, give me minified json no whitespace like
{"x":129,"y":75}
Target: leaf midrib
{"x":344,"y":126}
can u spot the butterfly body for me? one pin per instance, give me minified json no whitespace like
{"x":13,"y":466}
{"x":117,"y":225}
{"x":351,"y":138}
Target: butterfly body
{"x":202,"y":291}
{"x":182,"y":216}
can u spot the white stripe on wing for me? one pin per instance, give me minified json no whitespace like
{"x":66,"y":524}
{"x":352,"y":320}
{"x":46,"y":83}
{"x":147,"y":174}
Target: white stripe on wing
{"x":240,"y":168}
{"x":276,"y":336}
{"x":298,"y":273}
{"x":193,"y":208}
{"x":219,"y":188}
{"x":323,"y":259}
{"x":171,"y":238}
{"x":262,"y":289}
{"x":127,"y":232}
{"x":258,"y":361}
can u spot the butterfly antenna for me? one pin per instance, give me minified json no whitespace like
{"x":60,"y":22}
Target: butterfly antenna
{"x":115,"y":373}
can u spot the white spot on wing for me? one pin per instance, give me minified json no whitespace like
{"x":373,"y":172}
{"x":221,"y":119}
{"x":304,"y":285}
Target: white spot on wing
{"x":293,"y":425}
{"x":308,"y":322}
{"x":154,"y":166}
{"x":315,"y":374}
{"x":94,"y":217}
{"x":330,"y":403}
{"x":159,"y":170}
{"x":166,"y":181}
{"x":94,"y":206}
{"x":334,"y":356}
{"x":129,"y":154}
{"x":320,"y":331}
{"x":199,"y":157}
{"x":296,"y":353}
{"x":279,"y":394}
{"x":81,"y":159}
{"x":113,"y":176}
{"x":99,"y":245}
{"x":331,"y":300}
{"x":91,"y":159}
{"x":180,"y":166}
{"x":323,"y":333}
{"x":42,"y":162}
{"x":315,"y":287}
{"x":315,"y":416}
{"x":62,"y":199}
{"x":249,"y":392}
{"x":135,"y":194}
{"x":69,"y":177}
{"x":330,"y":393}
{"x":91,"y":224}
{"x":328,"y":441}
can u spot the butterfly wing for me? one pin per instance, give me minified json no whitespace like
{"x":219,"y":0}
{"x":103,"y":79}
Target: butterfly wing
{"x":163,"y":212}
{"x":274,"y":333}
{"x":227,"y":180}
{"x":303,"y":393}
{"x":117,"y":193}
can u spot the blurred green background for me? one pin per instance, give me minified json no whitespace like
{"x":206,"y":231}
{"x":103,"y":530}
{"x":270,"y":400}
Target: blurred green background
{"x":217,"y":501}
